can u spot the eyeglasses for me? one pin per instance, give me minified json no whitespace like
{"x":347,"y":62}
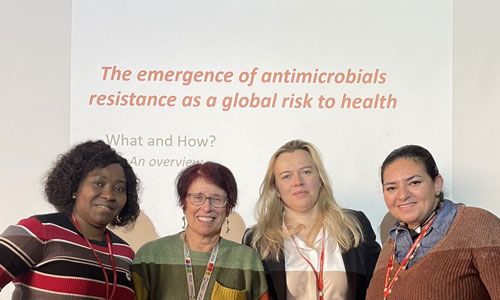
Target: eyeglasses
{"x":199,"y":199}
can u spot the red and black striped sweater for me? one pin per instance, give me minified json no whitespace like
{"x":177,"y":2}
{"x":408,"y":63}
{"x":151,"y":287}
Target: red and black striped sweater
{"x":47,"y":258}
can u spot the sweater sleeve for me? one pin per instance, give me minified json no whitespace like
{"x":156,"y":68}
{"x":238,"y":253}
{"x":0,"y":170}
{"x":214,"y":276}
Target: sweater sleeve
{"x":486,"y":254}
{"x":21,"y":248}
{"x":140,"y":277}
{"x":248,"y":236}
{"x":240,"y":270}
{"x":158,"y":270}
{"x":258,"y":286}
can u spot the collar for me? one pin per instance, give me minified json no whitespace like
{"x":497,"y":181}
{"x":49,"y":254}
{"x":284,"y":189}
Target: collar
{"x":317,"y":241}
{"x":438,"y":230}
{"x":442,"y":223}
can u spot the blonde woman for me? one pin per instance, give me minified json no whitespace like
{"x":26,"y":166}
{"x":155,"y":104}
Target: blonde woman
{"x":310,"y":247}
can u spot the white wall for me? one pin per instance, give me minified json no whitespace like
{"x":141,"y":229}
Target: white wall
{"x":476,"y":105}
{"x":34,"y":102}
{"x":34,"y":99}
{"x":34,"y":95}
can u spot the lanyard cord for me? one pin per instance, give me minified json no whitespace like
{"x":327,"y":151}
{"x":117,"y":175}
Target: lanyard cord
{"x":111,"y":258}
{"x":409,"y":255}
{"x":319,"y":277}
{"x":206,"y":277}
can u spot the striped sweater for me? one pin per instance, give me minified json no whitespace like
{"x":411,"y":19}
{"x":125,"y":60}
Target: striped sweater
{"x":47,"y":258}
{"x":159,"y":272}
{"x":464,"y":264}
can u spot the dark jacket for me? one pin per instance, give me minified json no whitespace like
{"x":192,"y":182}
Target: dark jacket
{"x":359,"y":263}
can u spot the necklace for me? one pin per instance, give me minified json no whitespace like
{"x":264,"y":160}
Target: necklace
{"x":111,"y":258}
{"x":318,"y":276}
{"x":189,"y":271}
{"x":409,"y":255}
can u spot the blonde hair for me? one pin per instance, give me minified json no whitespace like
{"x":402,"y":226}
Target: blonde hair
{"x":269,"y":234}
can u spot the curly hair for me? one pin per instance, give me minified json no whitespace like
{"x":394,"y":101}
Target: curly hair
{"x":72,"y":167}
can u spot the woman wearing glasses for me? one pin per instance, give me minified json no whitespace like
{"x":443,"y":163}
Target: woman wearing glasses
{"x":197,"y":263}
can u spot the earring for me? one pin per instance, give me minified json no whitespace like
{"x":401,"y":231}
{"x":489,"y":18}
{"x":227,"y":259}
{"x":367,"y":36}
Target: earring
{"x":74,"y":196}
{"x":118,"y":220}
{"x":184,"y":221}
{"x":227,"y":225}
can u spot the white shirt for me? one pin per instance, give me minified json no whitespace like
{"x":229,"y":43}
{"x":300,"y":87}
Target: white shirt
{"x":301,"y":282}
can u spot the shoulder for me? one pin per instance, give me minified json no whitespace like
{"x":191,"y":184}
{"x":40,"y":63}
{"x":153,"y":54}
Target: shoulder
{"x":356,"y":214}
{"x":233,"y":246}
{"x":477,"y":218}
{"x":53,"y":222}
{"x":116,"y":239}
{"x":162,"y":248}
{"x":37,"y":225}
{"x":59,"y":219}
{"x":477,"y":213}
{"x":368,"y":243}
{"x":248,"y":235}
{"x":360,"y":218}
{"x":240,"y":256}
{"x":166,"y":241}
{"x":476,"y":225}
{"x":56,"y":217}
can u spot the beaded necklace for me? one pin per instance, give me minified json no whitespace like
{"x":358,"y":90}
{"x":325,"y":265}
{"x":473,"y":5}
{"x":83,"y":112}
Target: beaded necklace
{"x":388,"y":284}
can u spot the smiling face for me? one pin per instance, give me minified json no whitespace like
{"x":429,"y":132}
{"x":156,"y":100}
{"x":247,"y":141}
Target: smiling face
{"x":100,"y":197}
{"x":297,"y":181}
{"x":204,"y":220}
{"x":409,"y":192}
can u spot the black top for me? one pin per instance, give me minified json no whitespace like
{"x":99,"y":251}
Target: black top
{"x":359,"y":263}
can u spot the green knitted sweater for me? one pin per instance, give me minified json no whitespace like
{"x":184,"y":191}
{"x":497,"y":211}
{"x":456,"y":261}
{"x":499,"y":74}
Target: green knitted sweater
{"x":159,"y":271}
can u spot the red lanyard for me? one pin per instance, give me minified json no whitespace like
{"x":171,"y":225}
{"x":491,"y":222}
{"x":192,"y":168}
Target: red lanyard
{"x":388,"y":285}
{"x":319,"y":277}
{"x":111,"y":258}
